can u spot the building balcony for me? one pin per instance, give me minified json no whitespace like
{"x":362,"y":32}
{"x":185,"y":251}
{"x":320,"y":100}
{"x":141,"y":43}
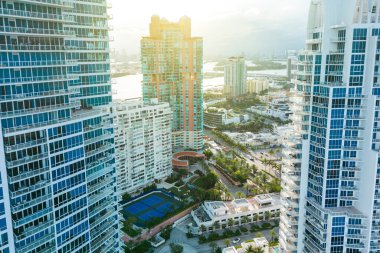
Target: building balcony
{"x":356,"y":236}
{"x":54,"y":3}
{"x":33,"y":64}
{"x":23,"y":96}
{"x":355,"y":245}
{"x":100,"y":195}
{"x":314,"y":41}
{"x":100,"y":184}
{"x":31,"y":217}
{"x":37,"y":242}
{"x":103,"y":238}
{"x":100,"y":149}
{"x":27,"y":159}
{"x":10,"y":30}
{"x":17,"y":113}
{"x":34,"y":48}
{"x":33,"y":230}
{"x":24,"y":145}
{"x":93,"y":127}
{"x":106,"y":158}
{"x":26,"y":204}
{"x":105,"y":136}
{"x":29,"y":188}
{"x":35,"y":15}
{"x":95,"y":232}
{"x":107,"y":168}
{"x":27,"y":174}
{"x":109,"y":212}
{"x":96,"y":208}
{"x":38,"y":79}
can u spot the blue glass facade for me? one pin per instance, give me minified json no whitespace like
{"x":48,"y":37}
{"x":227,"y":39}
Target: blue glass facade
{"x":56,"y":127}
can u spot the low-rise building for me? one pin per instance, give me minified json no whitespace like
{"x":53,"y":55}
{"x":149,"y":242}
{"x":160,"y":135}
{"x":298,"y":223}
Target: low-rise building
{"x":260,"y":242}
{"x":282,"y":113}
{"x":257,"y":85}
{"x":214,"y":215}
{"x":143,"y":143}
{"x":214,"y":117}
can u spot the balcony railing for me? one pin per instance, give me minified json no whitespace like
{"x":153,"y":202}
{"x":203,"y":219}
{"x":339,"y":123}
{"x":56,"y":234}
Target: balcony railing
{"x":37,"y":31}
{"x":23,"y":96}
{"x":47,"y":78}
{"x":27,"y":159}
{"x":38,"y":15}
{"x":22,"y":112}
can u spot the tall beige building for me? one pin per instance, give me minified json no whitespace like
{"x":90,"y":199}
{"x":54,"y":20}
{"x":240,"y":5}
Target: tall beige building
{"x":235,"y":77}
{"x":172,"y":63}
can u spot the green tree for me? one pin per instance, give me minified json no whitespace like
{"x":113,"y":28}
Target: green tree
{"x":213,"y":246}
{"x":258,"y":250}
{"x":267,"y":215}
{"x":230,"y":222}
{"x":208,"y":154}
{"x":259,"y":235}
{"x":176,"y":248}
{"x":216,"y":225}
{"x":256,"y":217}
{"x":250,"y":249}
{"x":126,"y":196}
{"x":273,"y":235}
{"x":227,"y":242}
{"x":203,"y":228}
{"x":244,"y":219}
{"x":240,"y":195}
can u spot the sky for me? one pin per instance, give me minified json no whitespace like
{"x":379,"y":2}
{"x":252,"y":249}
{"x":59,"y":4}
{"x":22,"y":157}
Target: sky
{"x":228,"y":27}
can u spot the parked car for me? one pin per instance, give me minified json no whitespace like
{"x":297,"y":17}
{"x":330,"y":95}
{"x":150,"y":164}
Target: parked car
{"x":236,"y":240}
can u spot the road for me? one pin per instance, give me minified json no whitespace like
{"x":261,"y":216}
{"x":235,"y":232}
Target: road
{"x":259,"y":165}
{"x":231,"y":188}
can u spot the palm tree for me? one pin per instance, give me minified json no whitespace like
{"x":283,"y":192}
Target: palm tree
{"x":230,"y":222}
{"x":273,"y":235}
{"x":259,"y":235}
{"x":256,"y":217}
{"x":213,"y":246}
{"x":244,"y":219}
{"x":267,"y":215}
{"x":250,"y":249}
{"x":258,"y":250}
{"x":246,"y":186}
{"x":227,"y":242}
{"x":240,"y":195}
{"x":228,"y":195}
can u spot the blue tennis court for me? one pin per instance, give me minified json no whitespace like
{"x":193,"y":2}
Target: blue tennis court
{"x":152,"y":200}
{"x":151,"y":207}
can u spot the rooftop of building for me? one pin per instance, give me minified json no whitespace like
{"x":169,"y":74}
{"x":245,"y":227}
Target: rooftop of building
{"x":260,"y":203}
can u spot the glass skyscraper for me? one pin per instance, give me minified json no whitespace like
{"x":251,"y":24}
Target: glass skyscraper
{"x":57,"y":142}
{"x":332,"y":195}
{"x":172,"y":67}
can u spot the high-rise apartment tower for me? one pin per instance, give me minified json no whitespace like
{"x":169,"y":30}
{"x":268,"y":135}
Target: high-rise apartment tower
{"x":331,"y":186}
{"x":56,"y":136}
{"x":172,"y":65}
